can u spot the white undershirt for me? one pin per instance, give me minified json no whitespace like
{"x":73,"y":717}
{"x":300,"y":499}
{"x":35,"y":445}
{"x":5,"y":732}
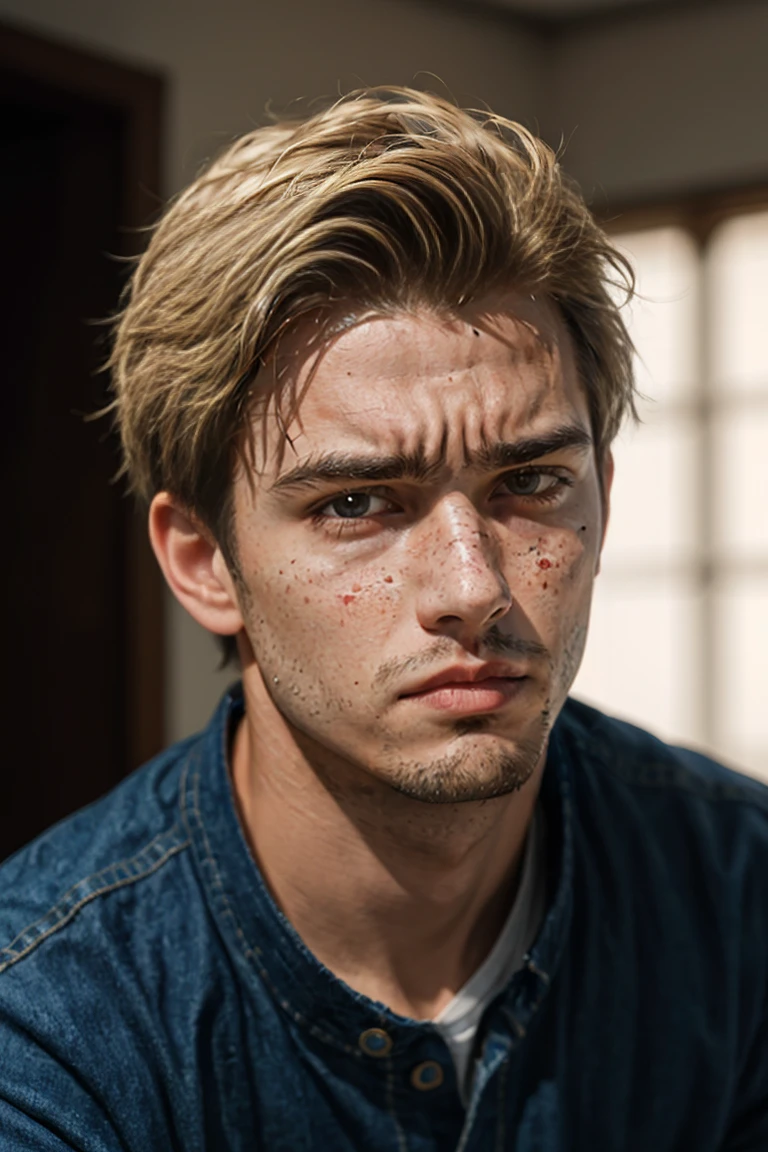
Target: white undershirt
{"x":459,"y":1020}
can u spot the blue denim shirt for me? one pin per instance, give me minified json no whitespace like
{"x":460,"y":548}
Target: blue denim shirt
{"x":152,"y":997}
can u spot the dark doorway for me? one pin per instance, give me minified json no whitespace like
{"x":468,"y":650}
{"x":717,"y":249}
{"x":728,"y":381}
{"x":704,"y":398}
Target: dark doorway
{"x":82,"y":684}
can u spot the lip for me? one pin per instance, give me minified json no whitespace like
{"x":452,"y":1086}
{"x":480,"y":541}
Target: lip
{"x":463,"y":675}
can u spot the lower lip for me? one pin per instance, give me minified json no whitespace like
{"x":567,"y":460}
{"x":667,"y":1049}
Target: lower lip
{"x":465,"y":698}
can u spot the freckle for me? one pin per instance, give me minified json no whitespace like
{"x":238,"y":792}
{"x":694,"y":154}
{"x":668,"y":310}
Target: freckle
{"x":545,"y":585}
{"x":280,"y":571}
{"x":356,"y":683}
{"x":306,"y":599}
{"x":475,"y":331}
{"x":544,"y":563}
{"x":387,"y":579}
{"x":356,"y":588}
{"x":288,"y":589}
{"x":293,"y":561}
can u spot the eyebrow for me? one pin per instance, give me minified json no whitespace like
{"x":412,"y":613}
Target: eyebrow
{"x":416,"y":466}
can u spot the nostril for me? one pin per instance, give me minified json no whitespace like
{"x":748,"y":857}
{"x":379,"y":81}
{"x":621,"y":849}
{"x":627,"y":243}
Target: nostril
{"x":448,"y":619}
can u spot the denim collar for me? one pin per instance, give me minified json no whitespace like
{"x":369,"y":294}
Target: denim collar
{"x":264,"y":944}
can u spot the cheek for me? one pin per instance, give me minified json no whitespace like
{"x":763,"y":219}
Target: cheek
{"x":558,"y":563}
{"x":370,"y":601}
{"x":559,"y":574}
{"x":311,"y":612}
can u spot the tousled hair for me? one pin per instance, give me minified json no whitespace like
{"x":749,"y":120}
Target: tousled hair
{"x":387,"y":200}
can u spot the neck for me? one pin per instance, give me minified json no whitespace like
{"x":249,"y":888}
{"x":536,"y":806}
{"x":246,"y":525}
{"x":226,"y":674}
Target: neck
{"x":401,"y":899}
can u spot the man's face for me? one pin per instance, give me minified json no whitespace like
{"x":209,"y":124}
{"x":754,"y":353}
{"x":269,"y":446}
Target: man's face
{"x":416,"y":569}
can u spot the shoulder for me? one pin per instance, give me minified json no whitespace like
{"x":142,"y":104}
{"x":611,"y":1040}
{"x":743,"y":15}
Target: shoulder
{"x":93,"y":915}
{"x":667,"y":824}
{"x":114,"y":844}
{"x":617,"y":751}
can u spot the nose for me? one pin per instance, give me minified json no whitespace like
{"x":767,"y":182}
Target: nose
{"x":463,"y":589}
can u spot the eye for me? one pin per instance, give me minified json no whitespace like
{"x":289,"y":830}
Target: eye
{"x":354,"y":506}
{"x":535,"y":483}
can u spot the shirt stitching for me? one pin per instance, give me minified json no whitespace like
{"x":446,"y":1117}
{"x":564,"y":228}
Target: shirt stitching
{"x":88,"y":889}
{"x":251,"y":954}
{"x":500,"y":1103}
{"x":402,"y":1145}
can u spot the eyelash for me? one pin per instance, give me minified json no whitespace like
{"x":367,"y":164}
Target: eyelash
{"x":349,"y":525}
{"x":564,"y":480}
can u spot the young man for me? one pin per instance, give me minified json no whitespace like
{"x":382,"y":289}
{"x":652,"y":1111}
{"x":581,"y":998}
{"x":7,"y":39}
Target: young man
{"x":401,"y":894}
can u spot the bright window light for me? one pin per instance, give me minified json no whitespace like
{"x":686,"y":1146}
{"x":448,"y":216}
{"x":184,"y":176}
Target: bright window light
{"x":679,"y":635}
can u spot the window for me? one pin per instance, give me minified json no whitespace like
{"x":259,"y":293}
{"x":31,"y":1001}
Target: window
{"x":679,"y":635}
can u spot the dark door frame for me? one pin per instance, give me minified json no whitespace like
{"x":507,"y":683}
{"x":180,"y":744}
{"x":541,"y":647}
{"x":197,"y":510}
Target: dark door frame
{"x":138,"y":96}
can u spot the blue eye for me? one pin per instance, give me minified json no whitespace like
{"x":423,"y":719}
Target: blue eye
{"x":354,"y":506}
{"x":525,"y":483}
{"x":536,"y":483}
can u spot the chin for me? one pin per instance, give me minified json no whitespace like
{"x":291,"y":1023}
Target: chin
{"x":476,"y":766}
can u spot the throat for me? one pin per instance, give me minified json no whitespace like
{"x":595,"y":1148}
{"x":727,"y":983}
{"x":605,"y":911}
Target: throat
{"x":404,"y":902}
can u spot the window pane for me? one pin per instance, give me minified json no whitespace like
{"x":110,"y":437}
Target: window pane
{"x":642,"y":657}
{"x":663,"y":322}
{"x":653,"y":505}
{"x":741,"y":607}
{"x":738,"y":278}
{"x":741,"y":485}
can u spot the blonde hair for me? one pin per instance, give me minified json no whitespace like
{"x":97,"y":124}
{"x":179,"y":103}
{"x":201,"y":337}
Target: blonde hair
{"x":388,"y":199}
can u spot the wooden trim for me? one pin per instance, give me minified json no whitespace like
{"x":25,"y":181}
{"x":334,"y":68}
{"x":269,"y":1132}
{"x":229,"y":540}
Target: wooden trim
{"x":699,"y":212}
{"x":138,"y":95}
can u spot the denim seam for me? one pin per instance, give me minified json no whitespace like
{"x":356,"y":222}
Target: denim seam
{"x":647,"y":775}
{"x":250,"y":953}
{"x":501,"y":1131}
{"x":402,"y":1143}
{"x":497,"y":1063}
{"x":519,"y":1029}
{"x":63,"y":912}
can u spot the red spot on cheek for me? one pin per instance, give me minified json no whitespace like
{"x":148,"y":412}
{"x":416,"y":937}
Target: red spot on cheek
{"x":544,"y":563}
{"x":347,"y":599}
{"x":387,"y":579}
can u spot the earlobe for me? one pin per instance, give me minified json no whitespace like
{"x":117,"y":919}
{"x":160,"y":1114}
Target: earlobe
{"x":193,"y":566}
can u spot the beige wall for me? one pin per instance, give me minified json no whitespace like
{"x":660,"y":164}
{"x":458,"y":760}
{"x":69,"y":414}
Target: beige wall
{"x":659,"y":103}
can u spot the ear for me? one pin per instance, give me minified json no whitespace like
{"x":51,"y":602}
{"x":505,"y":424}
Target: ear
{"x":193,"y":566}
{"x":606,"y":483}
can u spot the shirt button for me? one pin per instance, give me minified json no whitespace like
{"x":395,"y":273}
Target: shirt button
{"x":375,"y":1042}
{"x":427,"y":1075}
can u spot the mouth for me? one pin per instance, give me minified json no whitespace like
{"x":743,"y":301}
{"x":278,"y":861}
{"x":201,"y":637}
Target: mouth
{"x":466,"y":690}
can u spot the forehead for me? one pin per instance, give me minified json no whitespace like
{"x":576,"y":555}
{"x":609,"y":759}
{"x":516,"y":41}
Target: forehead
{"x":435,"y":384}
